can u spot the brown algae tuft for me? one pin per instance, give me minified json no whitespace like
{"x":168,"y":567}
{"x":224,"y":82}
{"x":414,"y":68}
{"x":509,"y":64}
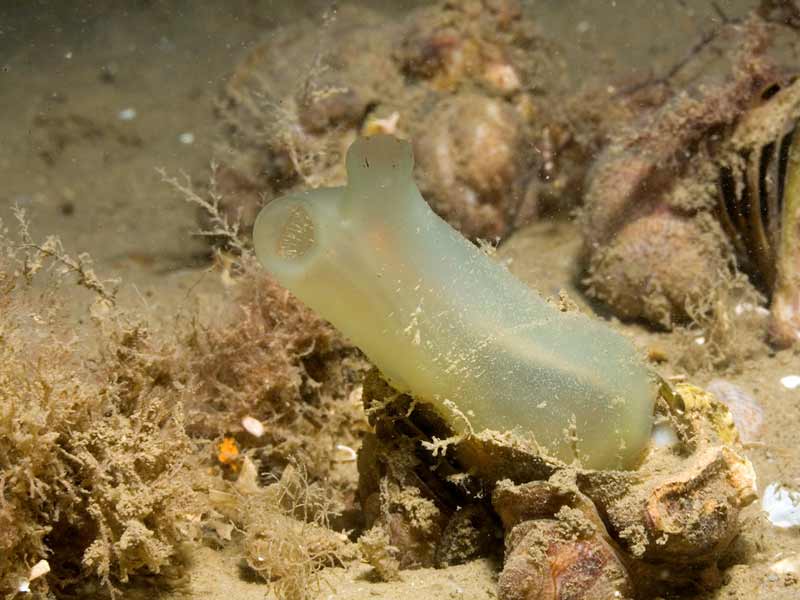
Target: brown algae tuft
{"x":120,"y":440}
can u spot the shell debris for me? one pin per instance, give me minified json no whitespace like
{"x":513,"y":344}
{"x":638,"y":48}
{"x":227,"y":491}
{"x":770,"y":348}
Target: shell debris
{"x":345,"y":454}
{"x":253,"y":426}
{"x":40,"y":569}
{"x":790,"y":382}
{"x":787,"y":565}
{"x":127,"y":114}
{"x":782,"y":505}
{"x":387,"y":125}
{"x":747,"y":414}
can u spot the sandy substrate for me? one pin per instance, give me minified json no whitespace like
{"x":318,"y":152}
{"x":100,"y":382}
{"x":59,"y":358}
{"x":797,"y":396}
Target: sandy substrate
{"x":94,"y":100}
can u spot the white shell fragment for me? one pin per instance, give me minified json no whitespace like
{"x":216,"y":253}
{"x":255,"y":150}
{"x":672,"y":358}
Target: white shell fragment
{"x":786,"y":566}
{"x":345,"y":454}
{"x":253,"y":426}
{"x":387,"y":125}
{"x":127,"y":114}
{"x":749,"y":307}
{"x":791,"y":382}
{"x":663,"y":435}
{"x":782,"y":505}
{"x":747,"y":414}
{"x":40,"y":569}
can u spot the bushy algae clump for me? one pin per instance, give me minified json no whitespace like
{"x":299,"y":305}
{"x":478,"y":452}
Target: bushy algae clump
{"x":93,"y":453}
{"x":106,"y":428}
{"x":446,"y":323}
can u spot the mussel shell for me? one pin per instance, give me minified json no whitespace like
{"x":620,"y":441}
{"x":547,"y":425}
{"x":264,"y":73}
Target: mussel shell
{"x":752,"y":179}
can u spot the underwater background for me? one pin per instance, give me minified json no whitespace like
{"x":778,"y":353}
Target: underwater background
{"x":174,"y":424}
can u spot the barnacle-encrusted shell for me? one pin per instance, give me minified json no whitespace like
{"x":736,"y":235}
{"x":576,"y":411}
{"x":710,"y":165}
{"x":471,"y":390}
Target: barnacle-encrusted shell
{"x":714,"y":187}
{"x":546,"y":561}
{"x":469,"y":156}
{"x":556,"y":545}
{"x":665,"y":524}
{"x":657,"y":265}
{"x":707,"y":174}
{"x":690,"y":503}
{"x":760,"y":203}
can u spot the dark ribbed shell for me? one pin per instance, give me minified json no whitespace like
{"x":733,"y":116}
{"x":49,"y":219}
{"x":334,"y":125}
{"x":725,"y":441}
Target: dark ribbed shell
{"x":752,"y":180}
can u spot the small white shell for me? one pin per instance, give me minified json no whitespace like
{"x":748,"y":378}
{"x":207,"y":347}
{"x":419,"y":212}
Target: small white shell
{"x":745,"y":410}
{"x":253,"y":426}
{"x":663,"y":435}
{"x":791,"y":382}
{"x":345,"y":454}
{"x":40,"y":569}
{"x":782,"y":505}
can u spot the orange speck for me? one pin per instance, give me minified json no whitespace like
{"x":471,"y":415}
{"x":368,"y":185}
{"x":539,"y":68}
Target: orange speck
{"x":229,"y":453}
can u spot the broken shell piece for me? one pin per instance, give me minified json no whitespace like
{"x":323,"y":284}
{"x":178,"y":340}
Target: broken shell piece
{"x":695,"y":514}
{"x":501,"y":78}
{"x":545,"y":562}
{"x":786,"y":566}
{"x":345,"y":454}
{"x":782,"y":505}
{"x":40,"y":569}
{"x":690,"y":514}
{"x":791,"y":382}
{"x":253,"y":426}
{"x":556,"y":545}
{"x":515,"y":504}
{"x":745,"y":411}
{"x":375,"y":125}
{"x":700,"y":409}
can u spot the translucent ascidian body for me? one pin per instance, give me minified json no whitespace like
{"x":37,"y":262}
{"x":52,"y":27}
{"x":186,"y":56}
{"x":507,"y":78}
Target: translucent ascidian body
{"x":448,"y":325}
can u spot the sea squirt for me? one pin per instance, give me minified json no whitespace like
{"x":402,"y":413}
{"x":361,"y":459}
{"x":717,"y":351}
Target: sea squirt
{"x":449,"y":325}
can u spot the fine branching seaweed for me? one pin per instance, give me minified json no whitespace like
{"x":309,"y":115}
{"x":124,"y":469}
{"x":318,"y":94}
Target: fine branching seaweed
{"x":106,"y":425}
